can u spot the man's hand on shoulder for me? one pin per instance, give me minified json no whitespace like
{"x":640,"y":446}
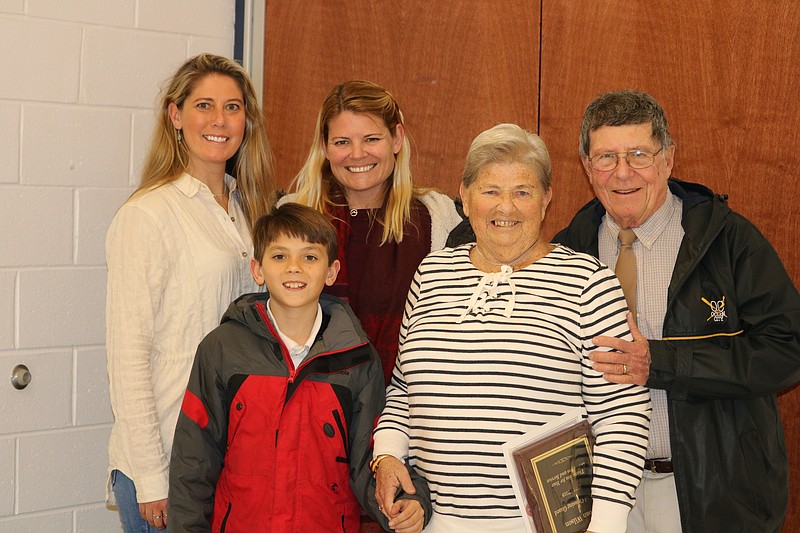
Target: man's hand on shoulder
{"x":629,"y":362}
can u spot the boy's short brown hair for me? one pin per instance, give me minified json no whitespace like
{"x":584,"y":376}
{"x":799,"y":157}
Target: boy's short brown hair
{"x":295,"y":220}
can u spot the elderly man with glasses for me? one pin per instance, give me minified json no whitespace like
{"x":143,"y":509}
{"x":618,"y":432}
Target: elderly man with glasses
{"x":716,"y":322}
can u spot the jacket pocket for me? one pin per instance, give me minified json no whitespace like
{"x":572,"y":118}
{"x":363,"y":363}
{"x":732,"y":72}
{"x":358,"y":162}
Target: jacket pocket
{"x":757,"y":469}
{"x":223,"y":526}
{"x":343,"y":435}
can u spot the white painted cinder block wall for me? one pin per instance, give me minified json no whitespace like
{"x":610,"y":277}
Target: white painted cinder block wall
{"x":78,"y":82}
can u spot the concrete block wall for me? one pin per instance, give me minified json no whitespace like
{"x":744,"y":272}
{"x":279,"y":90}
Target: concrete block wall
{"x":79,"y":82}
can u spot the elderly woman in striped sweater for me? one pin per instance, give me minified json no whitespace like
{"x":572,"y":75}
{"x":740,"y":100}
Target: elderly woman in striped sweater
{"x":496,"y":341}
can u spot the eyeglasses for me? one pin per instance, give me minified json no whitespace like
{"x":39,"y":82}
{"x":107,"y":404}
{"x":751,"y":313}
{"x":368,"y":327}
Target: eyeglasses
{"x":637,"y":159}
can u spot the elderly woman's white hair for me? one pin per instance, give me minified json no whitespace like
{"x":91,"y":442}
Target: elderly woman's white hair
{"x":508,"y":143}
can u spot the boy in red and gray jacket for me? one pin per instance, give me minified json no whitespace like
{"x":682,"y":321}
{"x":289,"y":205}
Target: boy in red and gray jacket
{"x":275,"y":428}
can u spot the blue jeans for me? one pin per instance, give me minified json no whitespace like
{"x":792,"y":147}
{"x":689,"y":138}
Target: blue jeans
{"x":125,"y":492}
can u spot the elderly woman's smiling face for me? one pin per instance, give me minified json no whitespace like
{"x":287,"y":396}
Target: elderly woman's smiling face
{"x":506,"y":205}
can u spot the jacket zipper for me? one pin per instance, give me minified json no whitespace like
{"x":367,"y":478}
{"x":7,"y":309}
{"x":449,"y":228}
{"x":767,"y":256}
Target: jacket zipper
{"x":293,"y":375}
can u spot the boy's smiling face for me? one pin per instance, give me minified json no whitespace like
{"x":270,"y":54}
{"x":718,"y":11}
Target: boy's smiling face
{"x":295,"y":272}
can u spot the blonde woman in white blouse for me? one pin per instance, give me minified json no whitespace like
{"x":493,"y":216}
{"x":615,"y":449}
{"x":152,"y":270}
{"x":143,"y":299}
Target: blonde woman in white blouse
{"x":178,"y":252}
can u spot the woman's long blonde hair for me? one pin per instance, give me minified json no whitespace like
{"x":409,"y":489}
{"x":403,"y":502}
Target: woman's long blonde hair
{"x":314,"y":181}
{"x":167,"y":158}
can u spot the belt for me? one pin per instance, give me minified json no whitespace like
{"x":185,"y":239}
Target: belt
{"x":659,"y":466}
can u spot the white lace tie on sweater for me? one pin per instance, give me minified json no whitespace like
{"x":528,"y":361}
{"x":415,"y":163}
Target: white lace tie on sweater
{"x":487,"y":289}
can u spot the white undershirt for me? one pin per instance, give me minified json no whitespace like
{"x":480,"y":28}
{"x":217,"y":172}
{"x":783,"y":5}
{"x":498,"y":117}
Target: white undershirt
{"x":297,"y":351}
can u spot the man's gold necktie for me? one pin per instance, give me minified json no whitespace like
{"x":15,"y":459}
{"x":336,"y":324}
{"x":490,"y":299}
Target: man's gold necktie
{"x":626,"y":268}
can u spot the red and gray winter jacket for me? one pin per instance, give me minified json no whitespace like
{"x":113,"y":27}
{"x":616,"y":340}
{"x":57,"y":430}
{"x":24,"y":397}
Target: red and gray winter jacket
{"x":263,"y":446}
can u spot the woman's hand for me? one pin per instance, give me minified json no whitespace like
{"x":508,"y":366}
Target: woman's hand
{"x":155,"y":513}
{"x":391,"y":476}
{"x":630,"y":363}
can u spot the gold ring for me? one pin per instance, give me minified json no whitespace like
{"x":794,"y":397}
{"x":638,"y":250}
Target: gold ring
{"x":624,"y":368}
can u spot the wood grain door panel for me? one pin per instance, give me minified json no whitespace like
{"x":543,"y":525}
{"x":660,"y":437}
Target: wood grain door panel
{"x":456,"y":68}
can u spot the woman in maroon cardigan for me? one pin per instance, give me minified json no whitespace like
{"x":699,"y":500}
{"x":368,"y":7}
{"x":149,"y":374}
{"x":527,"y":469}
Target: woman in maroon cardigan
{"x":358,"y":173}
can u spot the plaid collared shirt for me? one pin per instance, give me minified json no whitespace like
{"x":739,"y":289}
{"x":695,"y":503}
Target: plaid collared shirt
{"x":656,"y":250}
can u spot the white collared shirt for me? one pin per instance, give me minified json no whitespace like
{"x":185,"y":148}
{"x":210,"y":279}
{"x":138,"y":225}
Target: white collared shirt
{"x":656,"y":250}
{"x":176,"y":259}
{"x":297,"y":351}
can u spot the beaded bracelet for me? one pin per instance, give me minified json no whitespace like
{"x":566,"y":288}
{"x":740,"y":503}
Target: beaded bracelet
{"x":375,"y":462}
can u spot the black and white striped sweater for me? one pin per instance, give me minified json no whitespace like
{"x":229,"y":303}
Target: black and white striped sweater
{"x":479,"y":367}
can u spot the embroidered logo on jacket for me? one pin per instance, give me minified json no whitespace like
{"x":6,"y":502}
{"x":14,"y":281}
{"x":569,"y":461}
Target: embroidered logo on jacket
{"x":717,"y":309}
